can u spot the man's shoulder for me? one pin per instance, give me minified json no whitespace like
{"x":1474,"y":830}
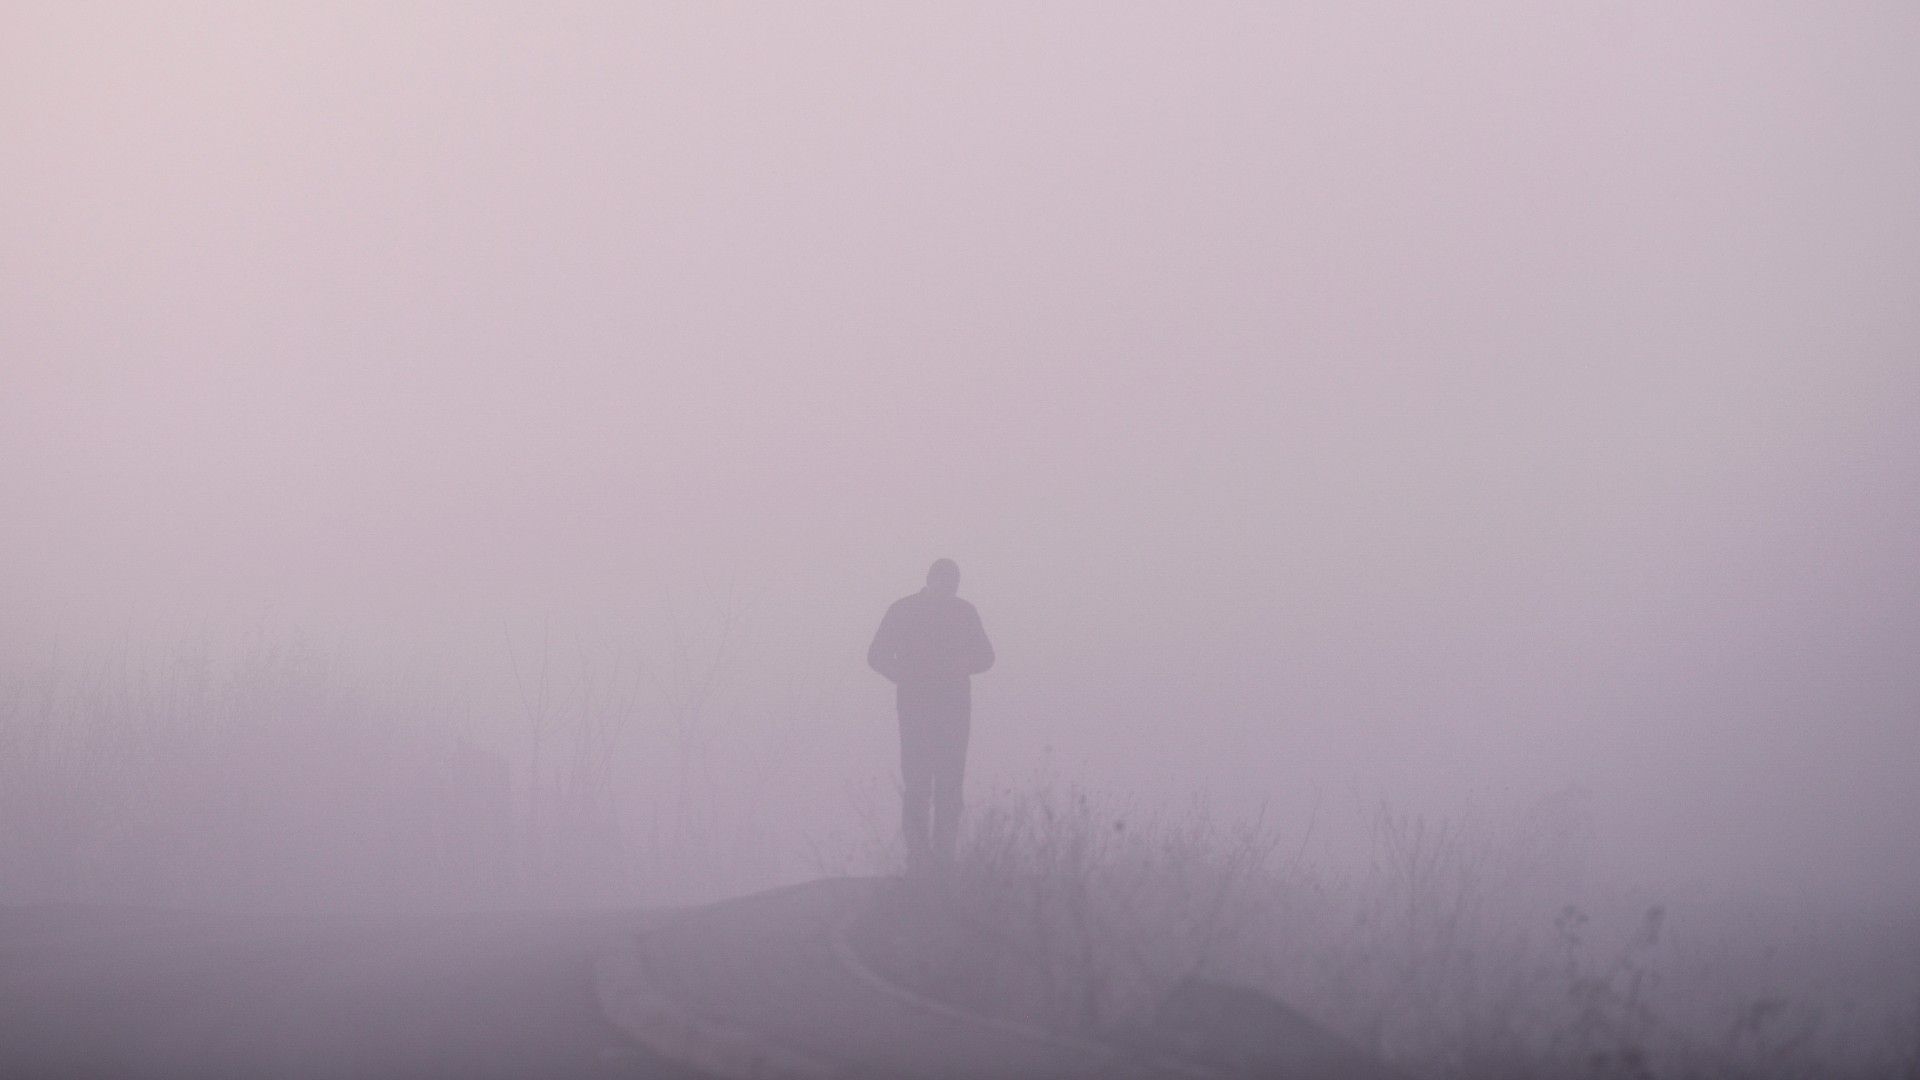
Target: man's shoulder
{"x":923,"y":601}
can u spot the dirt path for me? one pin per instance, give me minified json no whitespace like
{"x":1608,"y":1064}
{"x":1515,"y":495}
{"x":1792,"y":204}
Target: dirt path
{"x":764,"y":986}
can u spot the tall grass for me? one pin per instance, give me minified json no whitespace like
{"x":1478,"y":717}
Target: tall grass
{"x":1451,"y":950}
{"x":264,"y":776}
{"x":265,"y":772}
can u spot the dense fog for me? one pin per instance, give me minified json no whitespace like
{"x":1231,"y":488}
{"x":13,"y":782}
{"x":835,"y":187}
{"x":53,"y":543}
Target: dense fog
{"x":413,"y":418}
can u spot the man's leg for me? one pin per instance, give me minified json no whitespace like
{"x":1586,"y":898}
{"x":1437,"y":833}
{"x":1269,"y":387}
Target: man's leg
{"x":949,"y":778}
{"x":916,"y":782}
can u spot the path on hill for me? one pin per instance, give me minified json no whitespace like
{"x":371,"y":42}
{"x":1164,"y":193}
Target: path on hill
{"x":763,"y":986}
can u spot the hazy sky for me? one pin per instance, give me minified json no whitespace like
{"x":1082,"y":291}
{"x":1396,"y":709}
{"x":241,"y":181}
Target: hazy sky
{"x":1460,"y":396}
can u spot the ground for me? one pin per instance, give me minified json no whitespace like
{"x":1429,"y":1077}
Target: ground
{"x":95,"y":992}
{"x":767,"y":987}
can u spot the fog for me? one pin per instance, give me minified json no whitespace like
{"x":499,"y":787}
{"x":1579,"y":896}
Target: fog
{"x":1491,"y":412}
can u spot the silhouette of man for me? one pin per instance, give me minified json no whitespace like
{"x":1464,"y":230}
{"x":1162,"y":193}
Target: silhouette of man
{"x":930,"y":645}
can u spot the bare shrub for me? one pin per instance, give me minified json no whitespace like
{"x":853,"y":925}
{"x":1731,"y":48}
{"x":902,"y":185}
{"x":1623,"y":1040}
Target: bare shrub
{"x":1063,"y":911}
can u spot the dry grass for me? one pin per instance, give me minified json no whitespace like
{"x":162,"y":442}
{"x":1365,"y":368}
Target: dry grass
{"x":1446,"y":953}
{"x":263,"y":773}
{"x":265,"y":776}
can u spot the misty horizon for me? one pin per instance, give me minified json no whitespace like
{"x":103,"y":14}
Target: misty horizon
{"x":1498,"y":415}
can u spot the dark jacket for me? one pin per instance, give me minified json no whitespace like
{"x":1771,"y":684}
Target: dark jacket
{"x":930,"y":643}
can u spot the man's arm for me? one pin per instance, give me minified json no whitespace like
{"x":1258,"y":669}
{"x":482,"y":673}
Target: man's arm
{"x":883,"y":653}
{"x":979,"y":649}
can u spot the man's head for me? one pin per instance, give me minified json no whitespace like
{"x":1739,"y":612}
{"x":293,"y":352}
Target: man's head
{"x":943,"y":577}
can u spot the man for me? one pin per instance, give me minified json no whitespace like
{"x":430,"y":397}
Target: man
{"x":930,"y":645}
